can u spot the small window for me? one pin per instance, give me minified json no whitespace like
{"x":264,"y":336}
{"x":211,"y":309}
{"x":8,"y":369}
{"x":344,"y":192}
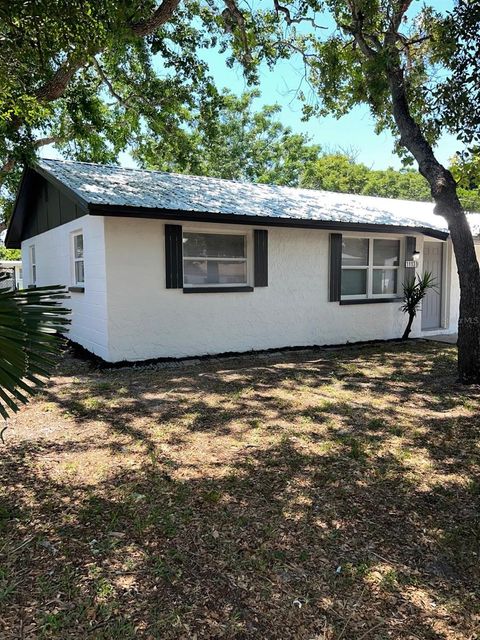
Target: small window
{"x":33,"y":265}
{"x":370,"y":267}
{"x":214,"y":259}
{"x":78,"y":262}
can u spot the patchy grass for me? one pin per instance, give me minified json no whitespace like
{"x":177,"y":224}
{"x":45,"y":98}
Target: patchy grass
{"x":313,"y":495}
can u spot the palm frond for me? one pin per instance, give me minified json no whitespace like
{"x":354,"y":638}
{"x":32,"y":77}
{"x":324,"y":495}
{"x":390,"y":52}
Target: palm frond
{"x":30,"y":321}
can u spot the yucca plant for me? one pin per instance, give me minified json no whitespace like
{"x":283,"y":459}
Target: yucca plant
{"x":414,"y":291}
{"x":30,"y":323}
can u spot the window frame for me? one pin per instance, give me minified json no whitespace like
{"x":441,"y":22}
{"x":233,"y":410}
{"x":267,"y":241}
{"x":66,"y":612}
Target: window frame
{"x":218,"y":232}
{"x":76,"y":234}
{"x":33,"y":264}
{"x":370,"y":267}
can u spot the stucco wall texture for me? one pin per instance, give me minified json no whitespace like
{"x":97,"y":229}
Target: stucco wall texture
{"x":126,"y":312}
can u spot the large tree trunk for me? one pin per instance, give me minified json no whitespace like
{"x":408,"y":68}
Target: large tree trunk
{"x":444,"y":193}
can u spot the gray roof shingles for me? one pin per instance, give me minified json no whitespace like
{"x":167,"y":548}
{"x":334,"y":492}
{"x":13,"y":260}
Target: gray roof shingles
{"x":113,"y":185}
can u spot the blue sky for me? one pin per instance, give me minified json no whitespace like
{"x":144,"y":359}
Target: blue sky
{"x":353,"y":131}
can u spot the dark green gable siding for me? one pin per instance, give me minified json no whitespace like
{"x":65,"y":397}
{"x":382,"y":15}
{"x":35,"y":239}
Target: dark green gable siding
{"x":49,"y":208}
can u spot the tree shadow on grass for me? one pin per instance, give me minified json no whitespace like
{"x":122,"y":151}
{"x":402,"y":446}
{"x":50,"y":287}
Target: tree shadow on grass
{"x":286,"y":545}
{"x":323,"y":527}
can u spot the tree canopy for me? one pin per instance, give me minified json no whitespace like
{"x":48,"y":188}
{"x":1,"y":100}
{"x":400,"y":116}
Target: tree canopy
{"x":339,"y":172}
{"x":92,"y":77}
{"x":242,"y":143}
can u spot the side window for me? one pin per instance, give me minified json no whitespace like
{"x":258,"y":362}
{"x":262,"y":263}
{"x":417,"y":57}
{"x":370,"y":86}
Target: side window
{"x":33,"y":265}
{"x":78,"y":261}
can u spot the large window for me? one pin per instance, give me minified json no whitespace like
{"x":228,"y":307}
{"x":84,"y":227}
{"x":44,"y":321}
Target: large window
{"x":370,"y":267}
{"x":214,"y":259}
{"x":78,"y":262}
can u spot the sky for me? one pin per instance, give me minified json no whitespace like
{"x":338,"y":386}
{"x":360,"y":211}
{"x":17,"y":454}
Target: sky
{"x":353,"y":132}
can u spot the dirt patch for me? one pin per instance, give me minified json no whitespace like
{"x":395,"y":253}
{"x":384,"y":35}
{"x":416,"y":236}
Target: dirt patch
{"x":304,"y":495}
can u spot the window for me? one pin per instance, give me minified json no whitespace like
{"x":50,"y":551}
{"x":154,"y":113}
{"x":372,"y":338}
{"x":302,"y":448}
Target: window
{"x":33,"y":265}
{"x":214,"y":259}
{"x":78,"y":262}
{"x":370,"y":267}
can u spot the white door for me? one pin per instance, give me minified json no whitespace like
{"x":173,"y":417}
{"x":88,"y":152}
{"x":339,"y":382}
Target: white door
{"x":432,"y":303}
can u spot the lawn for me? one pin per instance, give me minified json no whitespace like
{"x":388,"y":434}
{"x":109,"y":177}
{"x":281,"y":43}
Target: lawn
{"x":311,"y":495}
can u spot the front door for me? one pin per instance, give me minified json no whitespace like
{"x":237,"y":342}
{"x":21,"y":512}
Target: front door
{"x":432,"y":303}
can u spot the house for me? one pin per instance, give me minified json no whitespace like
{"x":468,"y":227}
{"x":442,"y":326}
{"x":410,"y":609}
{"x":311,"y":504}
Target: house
{"x":13,"y":270}
{"x":166,"y":265}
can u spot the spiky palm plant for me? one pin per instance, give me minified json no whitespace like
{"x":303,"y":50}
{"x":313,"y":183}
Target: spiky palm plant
{"x":414,"y":291}
{"x":30,"y":321}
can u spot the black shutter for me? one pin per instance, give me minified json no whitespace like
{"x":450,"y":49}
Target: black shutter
{"x":173,"y":256}
{"x":260,"y":272}
{"x":410,"y":246}
{"x":335,"y":267}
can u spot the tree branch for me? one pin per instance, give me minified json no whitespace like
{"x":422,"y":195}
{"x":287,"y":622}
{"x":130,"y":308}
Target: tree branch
{"x":398,"y":14}
{"x":55,"y":87}
{"x":106,"y":80}
{"x":10,"y":162}
{"x":159,"y":17}
{"x":356,"y":30}
{"x":279,"y":8}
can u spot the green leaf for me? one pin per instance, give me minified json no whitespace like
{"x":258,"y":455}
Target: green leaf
{"x":30,"y":323}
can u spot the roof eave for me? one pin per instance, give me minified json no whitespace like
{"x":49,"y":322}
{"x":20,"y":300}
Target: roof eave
{"x":125,"y":211}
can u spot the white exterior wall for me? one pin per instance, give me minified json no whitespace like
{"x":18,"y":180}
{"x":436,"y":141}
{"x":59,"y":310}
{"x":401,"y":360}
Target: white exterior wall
{"x":454,"y":288}
{"x":146,"y":320}
{"x":53,"y":254}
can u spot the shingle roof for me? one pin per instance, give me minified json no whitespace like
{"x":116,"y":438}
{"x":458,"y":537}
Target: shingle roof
{"x":113,"y":185}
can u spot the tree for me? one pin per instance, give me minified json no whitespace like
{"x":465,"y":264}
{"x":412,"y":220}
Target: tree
{"x":91,"y":76}
{"x":339,"y":172}
{"x":383,"y":55}
{"x":335,"y":172}
{"x":10,"y":254}
{"x":240,"y":144}
{"x":465,"y":169}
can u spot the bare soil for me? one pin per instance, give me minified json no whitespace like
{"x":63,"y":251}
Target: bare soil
{"x":314,"y":495}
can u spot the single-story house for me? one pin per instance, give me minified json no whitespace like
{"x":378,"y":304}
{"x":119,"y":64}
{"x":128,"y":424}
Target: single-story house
{"x":167,"y":265}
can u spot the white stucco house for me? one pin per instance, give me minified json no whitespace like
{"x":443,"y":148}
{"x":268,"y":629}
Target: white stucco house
{"x":164,"y":266}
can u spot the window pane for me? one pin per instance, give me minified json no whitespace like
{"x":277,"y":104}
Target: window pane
{"x":386,"y":253}
{"x":78,"y":246}
{"x":385,"y":280}
{"x":355,"y":252}
{"x":354,"y":282}
{"x":79,"y":272}
{"x":213,"y":245}
{"x":205,"y":272}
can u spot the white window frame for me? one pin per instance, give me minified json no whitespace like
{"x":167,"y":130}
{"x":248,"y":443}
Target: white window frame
{"x":218,"y":232}
{"x":76,"y":234}
{"x":33,"y":264}
{"x":370,"y":267}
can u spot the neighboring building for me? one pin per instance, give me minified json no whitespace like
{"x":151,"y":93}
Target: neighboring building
{"x":268,"y":266}
{"x":13,"y":270}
